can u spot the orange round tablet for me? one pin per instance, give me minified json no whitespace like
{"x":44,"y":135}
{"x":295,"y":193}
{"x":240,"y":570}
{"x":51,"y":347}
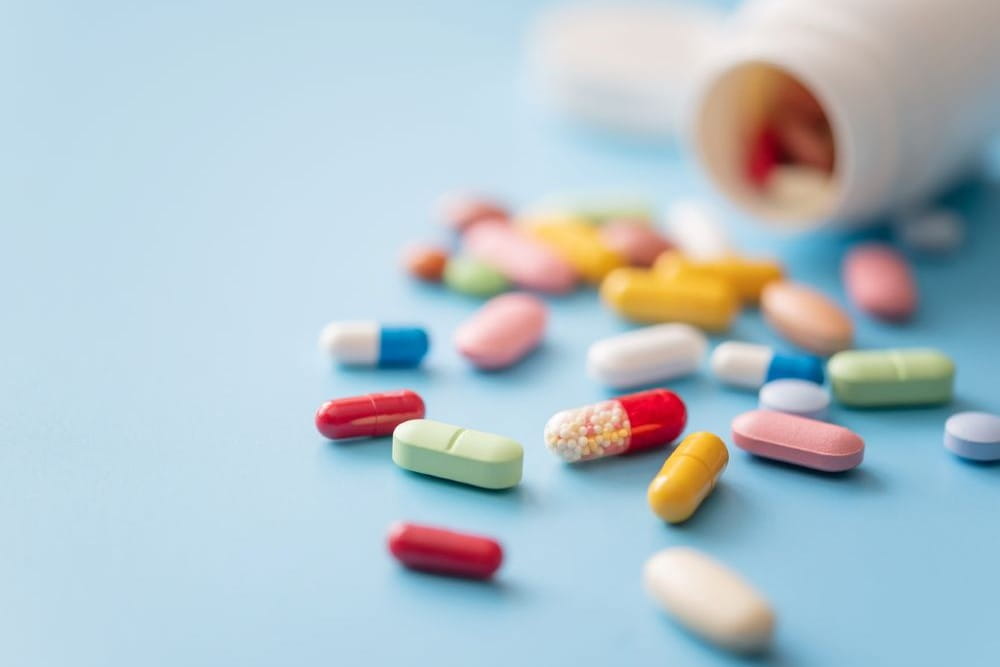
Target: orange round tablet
{"x":425,"y":262}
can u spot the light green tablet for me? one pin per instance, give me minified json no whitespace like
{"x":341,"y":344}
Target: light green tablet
{"x":872,"y":378}
{"x":452,"y":452}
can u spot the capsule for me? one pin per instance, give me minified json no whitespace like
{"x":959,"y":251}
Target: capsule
{"x":372,"y":344}
{"x":798,"y":440}
{"x":643,"y":296}
{"x":503,"y":331}
{"x":749,"y":365}
{"x":443,"y":551}
{"x":459,"y":454}
{"x":687,"y":477}
{"x":368,"y":416}
{"x":625,"y":424}
{"x":523,"y":260}
{"x":645,"y":356}
{"x":580,"y":244}
{"x":895,"y":377}
{"x":748,"y":277}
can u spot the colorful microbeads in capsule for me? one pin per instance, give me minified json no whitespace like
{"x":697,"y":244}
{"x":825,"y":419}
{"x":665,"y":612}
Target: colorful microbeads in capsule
{"x":425,"y":262}
{"x":443,"y":551}
{"x":473,"y":277}
{"x":696,"y":231}
{"x":748,"y":277}
{"x":642,"y":295}
{"x":368,"y":416}
{"x":687,"y":477}
{"x":523,"y":260}
{"x":503,"y":331}
{"x":577,"y":242}
{"x":460,"y":210}
{"x":371,"y":344}
{"x":909,"y":376}
{"x":636,"y":242}
{"x":878,"y":280}
{"x":807,"y":318}
{"x":798,"y":440}
{"x":462,"y":455}
{"x":796,"y":397}
{"x":644,"y":356}
{"x":709,"y":600}
{"x":623,"y":424}
{"x":749,"y":365}
{"x":973,"y":435}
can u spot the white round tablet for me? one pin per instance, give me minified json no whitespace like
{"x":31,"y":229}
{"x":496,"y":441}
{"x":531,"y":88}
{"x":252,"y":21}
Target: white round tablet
{"x":796,"y":397}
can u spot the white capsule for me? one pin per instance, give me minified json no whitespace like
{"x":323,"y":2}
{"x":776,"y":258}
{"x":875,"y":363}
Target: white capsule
{"x":796,"y":397}
{"x":645,"y":356}
{"x":697,"y":232}
{"x":741,"y":364}
{"x":709,"y":599}
{"x":351,"y":342}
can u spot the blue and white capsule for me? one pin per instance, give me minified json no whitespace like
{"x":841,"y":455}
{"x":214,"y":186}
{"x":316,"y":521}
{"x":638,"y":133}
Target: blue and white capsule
{"x":372,"y":344}
{"x":749,"y":365}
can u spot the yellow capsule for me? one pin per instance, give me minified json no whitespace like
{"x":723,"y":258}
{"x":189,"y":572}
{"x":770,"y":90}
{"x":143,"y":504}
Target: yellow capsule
{"x":687,"y":477}
{"x":577,"y":242}
{"x":645,"y":296}
{"x":747,"y":276}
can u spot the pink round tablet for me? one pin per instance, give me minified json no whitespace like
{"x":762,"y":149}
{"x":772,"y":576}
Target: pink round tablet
{"x":521,"y":259}
{"x":503,"y":331}
{"x":636,"y":242}
{"x":879,"y":281}
{"x":798,"y":440}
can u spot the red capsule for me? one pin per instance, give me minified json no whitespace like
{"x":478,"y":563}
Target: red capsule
{"x":444,"y":551}
{"x":368,"y":416}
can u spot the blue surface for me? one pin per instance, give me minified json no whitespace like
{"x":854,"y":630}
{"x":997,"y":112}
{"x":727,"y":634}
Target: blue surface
{"x":190,"y":191}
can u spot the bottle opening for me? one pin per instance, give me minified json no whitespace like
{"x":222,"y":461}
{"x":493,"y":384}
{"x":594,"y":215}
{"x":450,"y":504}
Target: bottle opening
{"x":767,"y":141}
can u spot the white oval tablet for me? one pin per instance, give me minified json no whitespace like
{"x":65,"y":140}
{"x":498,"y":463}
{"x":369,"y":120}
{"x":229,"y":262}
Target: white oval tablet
{"x":709,"y":599}
{"x":647,"y":355}
{"x":973,"y":435}
{"x":796,"y":397}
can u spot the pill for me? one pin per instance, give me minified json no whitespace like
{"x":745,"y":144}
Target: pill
{"x":644,"y":356}
{"x":368,"y":416}
{"x":973,"y":435}
{"x":425,"y":262}
{"x":696,"y":231}
{"x":805,"y":141}
{"x":709,"y":600}
{"x":763,"y":156}
{"x":796,"y":397}
{"x":935,"y":231}
{"x":878,"y":280}
{"x":371,"y":344}
{"x":687,"y":477}
{"x":503,"y":331}
{"x":749,"y":365}
{"x":461,"y":210}
{"x":462,"y":455}
{"x":522,"y":260}
{"x":643,"y":296}
{"x":624,"y":424}
{"x":801,"y":441}
{"x":443,"y":551}
{"x":473,"y":277}
{"x":893,"y":377}
{"x":794,"y":186}
{"x":579,"y":244}
{"x":596,"y":209}
{"x":748,"y":277}
{"x":636,"y":242}
{"x":806,"y":317}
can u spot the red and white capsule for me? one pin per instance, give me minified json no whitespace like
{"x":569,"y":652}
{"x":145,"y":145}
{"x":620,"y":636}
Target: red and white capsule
{"x":368,"y":416}
{"x":444,"y":551}
{"x":623,"y":424}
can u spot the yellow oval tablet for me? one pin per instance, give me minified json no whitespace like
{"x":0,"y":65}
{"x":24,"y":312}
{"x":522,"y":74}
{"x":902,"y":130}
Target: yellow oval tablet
{"x":687,"y":477}
{"x":644,"y":296}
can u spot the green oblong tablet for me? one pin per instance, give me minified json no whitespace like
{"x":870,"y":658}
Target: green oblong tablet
{"x":459,"y":454}
{"x":912,"y":376}
{"x":472,"y":277}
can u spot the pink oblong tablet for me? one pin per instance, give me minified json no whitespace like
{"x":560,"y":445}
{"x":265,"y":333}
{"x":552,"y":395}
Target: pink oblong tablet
{"x":634,"y":241}
{"x":798,"y":440}
{"x":503,"y":331}
{"x":521,"y":259}
{"x":879,"y":281}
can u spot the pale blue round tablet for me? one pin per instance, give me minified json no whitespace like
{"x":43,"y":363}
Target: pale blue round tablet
{"x":973,"y":435}
{"x":796,"y":397}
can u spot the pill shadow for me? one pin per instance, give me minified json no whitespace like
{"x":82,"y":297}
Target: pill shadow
{"x":442,"y":585}
{"x":726,"y":507}
{"x":860,"y":478}
{"x":516,"y":493}
{"x":990,"y":467}
{"x":634,"y":468}
{"x":775,"y":655}
{"x":524,"y":368}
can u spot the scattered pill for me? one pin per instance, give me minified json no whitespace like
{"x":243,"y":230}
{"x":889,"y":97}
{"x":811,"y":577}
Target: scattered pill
{"x":643,"y":296}
{"x":935,"y":231}
{"x":473,"y":277}
{"x":596,"y":209}
{"x":462,"y":455}
{"x":807,"y":318}
{"x":798,"y":440}
{"x":709,"y":599}
{"x":580,"y":244}
{"x":368,"y":416}
{"x":806,"y":143}
{"x":522,"y":260}
{"x":894,"y":377}
{"x":443,"y":551}
{"x":878,"y":280}
{"x":687,"y":477}
{"x":973,"y":435}
{"x":425,"y":262}
{"x":749,"y":366}
{"x":460,"y":210}
{"x":371,"y":344}
{"x":644,"y":356}
{"x":763,"y":156}
{"x":503,"y":331}
{"x":748,"y":277}
{"x":794,"y":186}
{"x":636,"y":242}
{"x":623,"y":424}
{"x":796,"y":397}
{"x":696,"y":231}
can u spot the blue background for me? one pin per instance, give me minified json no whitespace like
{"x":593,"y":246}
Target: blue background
{"x":190,"y":191}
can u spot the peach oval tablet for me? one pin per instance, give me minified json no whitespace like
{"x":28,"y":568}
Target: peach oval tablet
{"x":634,"y":241}
{"x":503,"y":331}
{"x":798,"y":440}
{"x":522,"y":260}
{"x":879,"y":281}
{"x":806,"y":317}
